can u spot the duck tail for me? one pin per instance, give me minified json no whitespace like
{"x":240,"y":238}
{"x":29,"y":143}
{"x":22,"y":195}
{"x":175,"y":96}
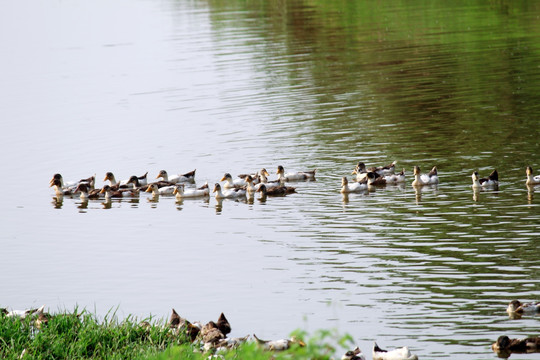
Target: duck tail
{"x":260,"y":341}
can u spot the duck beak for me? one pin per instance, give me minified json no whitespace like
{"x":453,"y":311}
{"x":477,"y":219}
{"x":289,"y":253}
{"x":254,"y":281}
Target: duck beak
{"x":222,"y":179}
{"x":148,"y":189}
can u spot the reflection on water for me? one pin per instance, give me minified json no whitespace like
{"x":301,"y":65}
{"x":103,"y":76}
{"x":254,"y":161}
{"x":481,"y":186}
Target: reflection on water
{"x":235,"y":87}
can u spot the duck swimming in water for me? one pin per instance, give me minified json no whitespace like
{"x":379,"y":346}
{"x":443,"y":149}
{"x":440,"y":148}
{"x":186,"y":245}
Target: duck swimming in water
{"x":275,"y":191}
{"x":397,"y":354}
{"x":491,"y":182}
{"x":531,"y":179}
{"x":156,"y":190}
{"x":297,"y":176}
{"x":181,"y":193}
{"x":115,"y":185}
{"x":187,"y":177}
{"x":356,"y":186}
{"x":425,"y":179}
{"x":505,"y":345}
{"x":278,"y":345}
{"x":234,"y":193}
{"x":230,"y":183}
{"x":72,"y":185}
{"x":355,"y":354}
{"x":120,"y":193}
{"x":518,"y":307}
{"x":86,"y":192}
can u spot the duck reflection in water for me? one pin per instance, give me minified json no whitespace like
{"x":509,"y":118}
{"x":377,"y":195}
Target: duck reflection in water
{"x":530,"y":193}
{"x":107,"y":204}
{"x":419,"y":190}
{"x":219,"y":206}
{"x":58,"y":201}
{"x":83,"y":204}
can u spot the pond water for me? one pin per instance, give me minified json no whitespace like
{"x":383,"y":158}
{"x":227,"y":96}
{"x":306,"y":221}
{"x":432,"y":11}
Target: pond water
{"x":136,"y":86}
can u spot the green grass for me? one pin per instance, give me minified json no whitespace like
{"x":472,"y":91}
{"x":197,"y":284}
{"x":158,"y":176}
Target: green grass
{"x":84,"y":336}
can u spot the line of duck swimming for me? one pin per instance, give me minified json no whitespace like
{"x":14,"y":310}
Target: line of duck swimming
{"x":246,"y":185}
{"x":385,"y":175}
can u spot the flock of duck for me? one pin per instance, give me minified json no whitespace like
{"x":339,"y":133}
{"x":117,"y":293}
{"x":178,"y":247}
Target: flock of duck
{"x":246,"y":185}
{"x":182,"y":185}
{"x":212,"y":337}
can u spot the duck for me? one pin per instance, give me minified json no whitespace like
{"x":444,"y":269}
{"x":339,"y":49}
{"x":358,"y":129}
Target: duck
{"x":181,"y":193}
{"x":353,"y":187}
{"x":179,"y":324}
{"x":269,"y":184}
{"x":86,"y":192}
{"x":250,"y":188}
{"x":42,"y":318}
{"x":384,"y":170}
{"x":187,"y":177}
{"x":360,"y":171}
{"x":22,"y":313}
{"x":425,"y":179}
{"x":275,"y":191}
{"x":256,"y":177}
{"x":115,"y":185}
{"x":398,"y":178}
{"x":59,"y":191}
{"x":231,"y":343}
{"x":397,"y":354}
{"x":230,"y":183}
{"x":375,"y":180}
{"x":298,"y":176}
{"x":491,"y":182}
{"x":355,"y":354}
{"x":156,"y":190}
{"x":211,"y":335}
{"x":506,"y":345}
{"x":110,"y":193}
{"x":279,"y":345}
{"x":223,"y":324}
{"x":228,"y":193}
{"x":516,"y":306}
{"x":532,"y":180}
{"x":71,"y":185}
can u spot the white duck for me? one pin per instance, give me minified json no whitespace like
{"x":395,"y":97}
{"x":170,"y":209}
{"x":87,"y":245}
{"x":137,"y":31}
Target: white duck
{"x":532,"y":180}
{"x":86,"y":192}
{"x":395,"y":178}
{"x":22,"y":313}
{"x":269,"y":184}
{"x":250,"y":188}
{"x":355,"y":354}
{"x":58,"y":190}
{"x":181,"y":193}
{"x":425,"y":179}
{"x":491,"y":182}
{"x":230,"y":183}
{"x":518,"y":307}
{"x":142,"y":180}
{"x":278,"y":345}
{"x":187,"y":177}
{"x":111,"y":193}
{"x":71,"y":185}
{"x":352,"y":187}
{"x":156,"y":191}
{"x":228,"y":193}
{"x":297,"y":176}
{"x":397,"y":354}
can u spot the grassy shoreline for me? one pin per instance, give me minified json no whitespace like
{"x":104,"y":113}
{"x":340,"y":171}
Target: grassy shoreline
{"x":81,"y":335}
